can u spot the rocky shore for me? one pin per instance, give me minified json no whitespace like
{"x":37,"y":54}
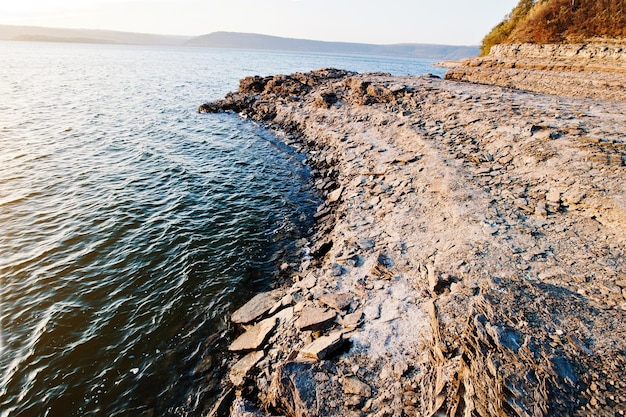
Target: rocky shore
{"x":469,"y":258}
{"x":594,"y":70}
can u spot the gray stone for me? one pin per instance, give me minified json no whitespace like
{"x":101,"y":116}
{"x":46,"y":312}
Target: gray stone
{"x":352,"y":321}
{"x":294,"y":389}
{"x":313,"y":318}
{"x":258,"y":306}
{"x":242,"y":408}
{"x":254,"y":338}
{"x":324,"y":346}
{"x":354,"y":386}
{"x":242,"y":368}
{"x":339,"y":302}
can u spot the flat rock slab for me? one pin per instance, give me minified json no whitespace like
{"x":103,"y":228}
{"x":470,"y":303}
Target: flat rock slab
{"x":242,"y":368}
{"x":313,"y":318}
{"x":257,"y":307}
{"x":324,"y":346}
{"x":254,"y":338}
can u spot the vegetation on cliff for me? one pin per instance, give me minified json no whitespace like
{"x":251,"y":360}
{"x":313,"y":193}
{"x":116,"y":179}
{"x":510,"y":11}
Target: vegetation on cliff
{"x":559,"y":21}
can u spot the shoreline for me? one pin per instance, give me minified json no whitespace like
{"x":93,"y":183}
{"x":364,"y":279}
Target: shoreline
{"x":472,"y":260}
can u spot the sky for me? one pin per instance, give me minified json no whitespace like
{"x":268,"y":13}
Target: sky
{"x":453,"y":22}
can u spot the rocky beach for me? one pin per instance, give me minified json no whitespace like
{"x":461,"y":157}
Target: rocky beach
{"x":468,"y":258}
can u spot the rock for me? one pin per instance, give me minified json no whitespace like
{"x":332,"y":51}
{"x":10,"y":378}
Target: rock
{"x":365,"y":243}
{"x":540,"y":209}
{"x":339,"y":302}
{"x":254,"y":338}
{"x":307,"y":283}
{"x":284,"y":315}
{"x":325,"y":100}
{"x":324,"y":346}
{"x":293,"y":390}
{"x":352,"y":321}
{"x":354,"y":386}
{"x":313,"y":318}
{"x":258,"y":306}
{"x":222,"y":404}
{"x":242,"y":368}
{"x":553,"y":196}
{"x":437,"y":283}
{"x":242,"y":408}
{"x":334,"y":196}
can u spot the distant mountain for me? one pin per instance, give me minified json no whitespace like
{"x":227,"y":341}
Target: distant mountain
{"x":233,"y":40}
{"x":42,"y":34}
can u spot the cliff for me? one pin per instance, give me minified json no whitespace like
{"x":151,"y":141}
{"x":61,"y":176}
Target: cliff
{"x":469,"y":258}
{"x":579,"y":70}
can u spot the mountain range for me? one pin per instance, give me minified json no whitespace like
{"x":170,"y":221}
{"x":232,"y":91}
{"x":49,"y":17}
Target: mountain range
{"x":233,"y":40}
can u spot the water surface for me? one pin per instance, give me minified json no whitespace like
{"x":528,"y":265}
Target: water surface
{"x":131,"y":225}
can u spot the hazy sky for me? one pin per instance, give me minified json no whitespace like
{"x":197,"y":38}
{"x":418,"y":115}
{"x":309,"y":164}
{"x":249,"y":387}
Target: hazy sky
{"x":460,"y":22}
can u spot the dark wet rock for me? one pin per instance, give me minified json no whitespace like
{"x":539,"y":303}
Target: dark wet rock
{"x":305,"y":388}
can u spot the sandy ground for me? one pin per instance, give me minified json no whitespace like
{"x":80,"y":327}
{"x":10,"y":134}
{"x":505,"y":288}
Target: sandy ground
{"x":477,"y":260}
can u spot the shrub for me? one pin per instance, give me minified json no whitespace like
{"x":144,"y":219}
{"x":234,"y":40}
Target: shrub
{"x":560,"y":21}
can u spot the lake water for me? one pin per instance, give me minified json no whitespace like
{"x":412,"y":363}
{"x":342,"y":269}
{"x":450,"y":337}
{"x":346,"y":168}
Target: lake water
{"x":131,"y":225}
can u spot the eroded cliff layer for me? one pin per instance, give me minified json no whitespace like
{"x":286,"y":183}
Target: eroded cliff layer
{"x":469,"y":259}
{"x":581,"y":70}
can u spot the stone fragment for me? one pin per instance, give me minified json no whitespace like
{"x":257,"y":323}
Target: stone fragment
{"x":553,"y":196}
{"x":354,"y":386}
{"x":242,"y":368}
{"x":352,"y":321}
{"x":540,"y":209}
{"x":339,"y":302}
{"x":334,"y":196}
{"x":314,"y":318}
{"x":436,"y":283}
{"x":257,"y":307}
{"x":307,"y":283}
{"x":365,"y":243}
{"x":324,"y":346}
{"x":254,"y":338}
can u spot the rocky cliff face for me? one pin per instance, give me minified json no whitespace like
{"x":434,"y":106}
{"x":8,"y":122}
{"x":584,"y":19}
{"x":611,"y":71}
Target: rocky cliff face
{"x":582,"y":70}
